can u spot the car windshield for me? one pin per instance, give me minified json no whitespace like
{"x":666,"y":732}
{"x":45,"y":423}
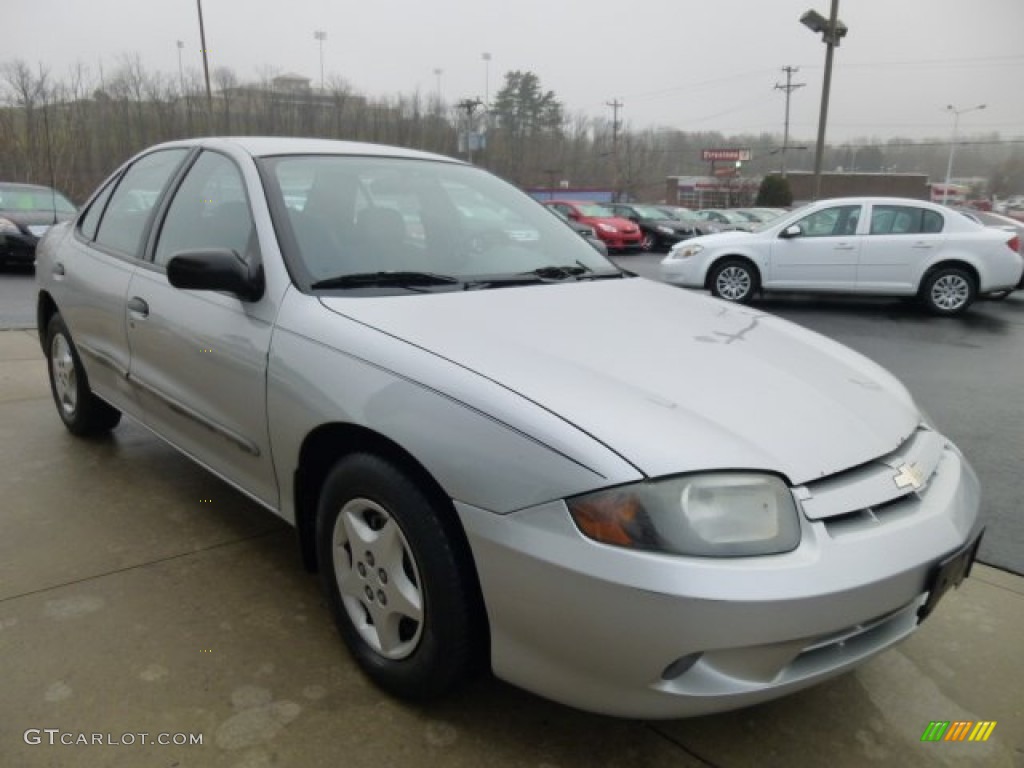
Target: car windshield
{"x":17,"y":198}
{"x":594,"y":211}
{"x":354,"y":215}
{"x":649,"y":212}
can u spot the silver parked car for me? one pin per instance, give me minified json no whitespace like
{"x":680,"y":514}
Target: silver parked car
{"x":486,"y":451}
{"x":886,"y":246}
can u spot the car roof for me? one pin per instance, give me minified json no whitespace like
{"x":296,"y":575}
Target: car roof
{"x":270,"y":146}
{"x":19,"y":185}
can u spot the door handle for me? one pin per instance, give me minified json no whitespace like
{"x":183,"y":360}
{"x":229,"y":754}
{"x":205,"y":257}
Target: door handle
{"x":138,"y":306}
{"x":844,"y":247}
{"x":922,"y":245}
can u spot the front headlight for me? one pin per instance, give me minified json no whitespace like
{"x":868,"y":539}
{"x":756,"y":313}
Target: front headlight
{"x":8,"y":227}
{"x":665,"y":230}
{"x":685,"y":251}
{"x":606,"y":227}
{"x":721,"y":514}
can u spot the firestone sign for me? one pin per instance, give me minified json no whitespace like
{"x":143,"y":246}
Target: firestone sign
{"x":728,"y":155}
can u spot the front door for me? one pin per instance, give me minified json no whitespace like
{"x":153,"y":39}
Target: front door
{"x":199,"y":358}
{"x":822,"y":257}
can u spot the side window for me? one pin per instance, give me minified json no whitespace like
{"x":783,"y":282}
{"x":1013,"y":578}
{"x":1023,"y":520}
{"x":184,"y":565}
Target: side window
{"x":131,"y":204}
{"x":209,"y":210}
{"x":932,"y":222}
{"x":91,"y":220}
{"x":904,"y":220}
{"x":838,"y":221}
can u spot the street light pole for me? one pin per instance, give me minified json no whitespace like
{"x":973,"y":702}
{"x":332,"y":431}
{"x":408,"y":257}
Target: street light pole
{"x":952,"y":144}
{"x":206,"y":66}
{"x":437,"y":73}
{"x":832,"y":30}
{"x":320,"y":36}
{"x":487,"y":79}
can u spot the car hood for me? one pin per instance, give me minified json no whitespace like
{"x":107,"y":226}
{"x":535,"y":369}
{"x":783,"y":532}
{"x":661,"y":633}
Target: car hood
{"x":670,"y":380}
{"x":725,"y":237}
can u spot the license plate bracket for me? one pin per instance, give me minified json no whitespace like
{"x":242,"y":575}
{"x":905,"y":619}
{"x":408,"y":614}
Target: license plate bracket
{"x":948,"y":574}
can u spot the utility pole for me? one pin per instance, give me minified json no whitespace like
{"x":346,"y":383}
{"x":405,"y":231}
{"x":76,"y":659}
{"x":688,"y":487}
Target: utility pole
{"x":206,"y":67}
{"x":616,"y":105}
{"x":469,"y":106}
{"x":789,"y":87}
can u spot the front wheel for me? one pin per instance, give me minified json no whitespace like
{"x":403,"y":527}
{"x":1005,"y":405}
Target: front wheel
{"x":82,"y":412}
{"x":948,"y":291}
{"x":734,"y":280}
{"x":397,"y":583}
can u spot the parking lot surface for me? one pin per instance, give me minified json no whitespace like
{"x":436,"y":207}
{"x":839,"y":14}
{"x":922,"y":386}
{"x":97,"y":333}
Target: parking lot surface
{"x":140,"y":595}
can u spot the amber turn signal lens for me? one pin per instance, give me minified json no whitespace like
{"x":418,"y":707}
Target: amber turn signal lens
{"x":607,"y":518}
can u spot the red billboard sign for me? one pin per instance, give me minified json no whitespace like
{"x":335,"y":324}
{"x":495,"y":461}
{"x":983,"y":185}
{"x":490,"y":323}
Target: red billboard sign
{"x":728,"y":155}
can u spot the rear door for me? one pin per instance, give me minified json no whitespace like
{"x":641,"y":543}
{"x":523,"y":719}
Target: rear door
{"x":92,"y":275}
{"x":900,"y":241}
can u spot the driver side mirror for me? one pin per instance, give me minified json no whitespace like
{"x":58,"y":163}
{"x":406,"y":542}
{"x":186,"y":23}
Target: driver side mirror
{"x":793,"y":230}
{"x":215,"y":269}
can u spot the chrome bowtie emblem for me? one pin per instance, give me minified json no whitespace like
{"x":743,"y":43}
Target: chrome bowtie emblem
{"x":909,"y":476}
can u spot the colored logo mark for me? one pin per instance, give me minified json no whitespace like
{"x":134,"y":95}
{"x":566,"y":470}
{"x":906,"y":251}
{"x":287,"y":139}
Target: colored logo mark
{"x":958,"y":730}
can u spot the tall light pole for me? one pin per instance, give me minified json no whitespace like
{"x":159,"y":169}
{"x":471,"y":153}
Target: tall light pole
{"x":181,"y":71}
{"x":952,"y":144}
{"x":487,"y":79}
{"x":206,"y":65}
{"x":319,"y":35}
{"x":437,"y":73}
{"x":832,"y":31}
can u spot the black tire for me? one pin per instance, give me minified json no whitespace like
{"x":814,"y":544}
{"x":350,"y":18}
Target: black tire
{"x":649,"y":242}
{"x":948,"y":291}
{"x":380,"y":535}
{"x":82,"y":412}
{"x":733,"y":280}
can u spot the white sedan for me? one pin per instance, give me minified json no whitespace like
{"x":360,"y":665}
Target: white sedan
{"x":881,"y":246}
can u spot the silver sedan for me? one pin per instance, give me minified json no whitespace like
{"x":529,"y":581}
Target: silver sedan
{"x":487,"y":451}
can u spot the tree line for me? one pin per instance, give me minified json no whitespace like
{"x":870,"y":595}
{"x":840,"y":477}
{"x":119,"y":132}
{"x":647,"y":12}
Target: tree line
{"x":76,"y":129}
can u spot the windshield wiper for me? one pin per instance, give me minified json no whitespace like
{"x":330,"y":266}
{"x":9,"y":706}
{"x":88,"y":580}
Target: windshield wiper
{"x":373,"y":279}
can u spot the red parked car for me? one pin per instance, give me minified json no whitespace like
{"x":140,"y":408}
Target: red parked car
{"x":618,"y":234}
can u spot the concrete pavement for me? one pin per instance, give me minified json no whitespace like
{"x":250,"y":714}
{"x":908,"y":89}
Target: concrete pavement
{"x":138,"y":594}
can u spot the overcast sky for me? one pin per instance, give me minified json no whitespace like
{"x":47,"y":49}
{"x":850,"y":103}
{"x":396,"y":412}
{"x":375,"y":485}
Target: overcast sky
{"x":708,"y":65}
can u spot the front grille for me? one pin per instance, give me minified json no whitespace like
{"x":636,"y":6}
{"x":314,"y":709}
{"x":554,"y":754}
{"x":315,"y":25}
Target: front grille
{"x":888,"y":487}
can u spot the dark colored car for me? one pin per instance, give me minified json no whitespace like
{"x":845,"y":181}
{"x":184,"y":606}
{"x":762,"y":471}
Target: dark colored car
{"x":583,"y":230}
{"x":618,"y":234}
{"x":26,"y":212}
{"x":660,"y":231}
{"x":688,"y":217}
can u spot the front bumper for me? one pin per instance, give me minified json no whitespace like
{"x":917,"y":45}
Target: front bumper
{"x":687,"y":272}
{"x":636,"y":634}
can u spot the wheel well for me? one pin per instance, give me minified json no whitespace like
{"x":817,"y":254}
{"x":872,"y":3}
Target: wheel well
{"x":45,"y":309}
{"x":969,"y":269}
{"x":732,"y":257}
{"x":324,"y":447}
